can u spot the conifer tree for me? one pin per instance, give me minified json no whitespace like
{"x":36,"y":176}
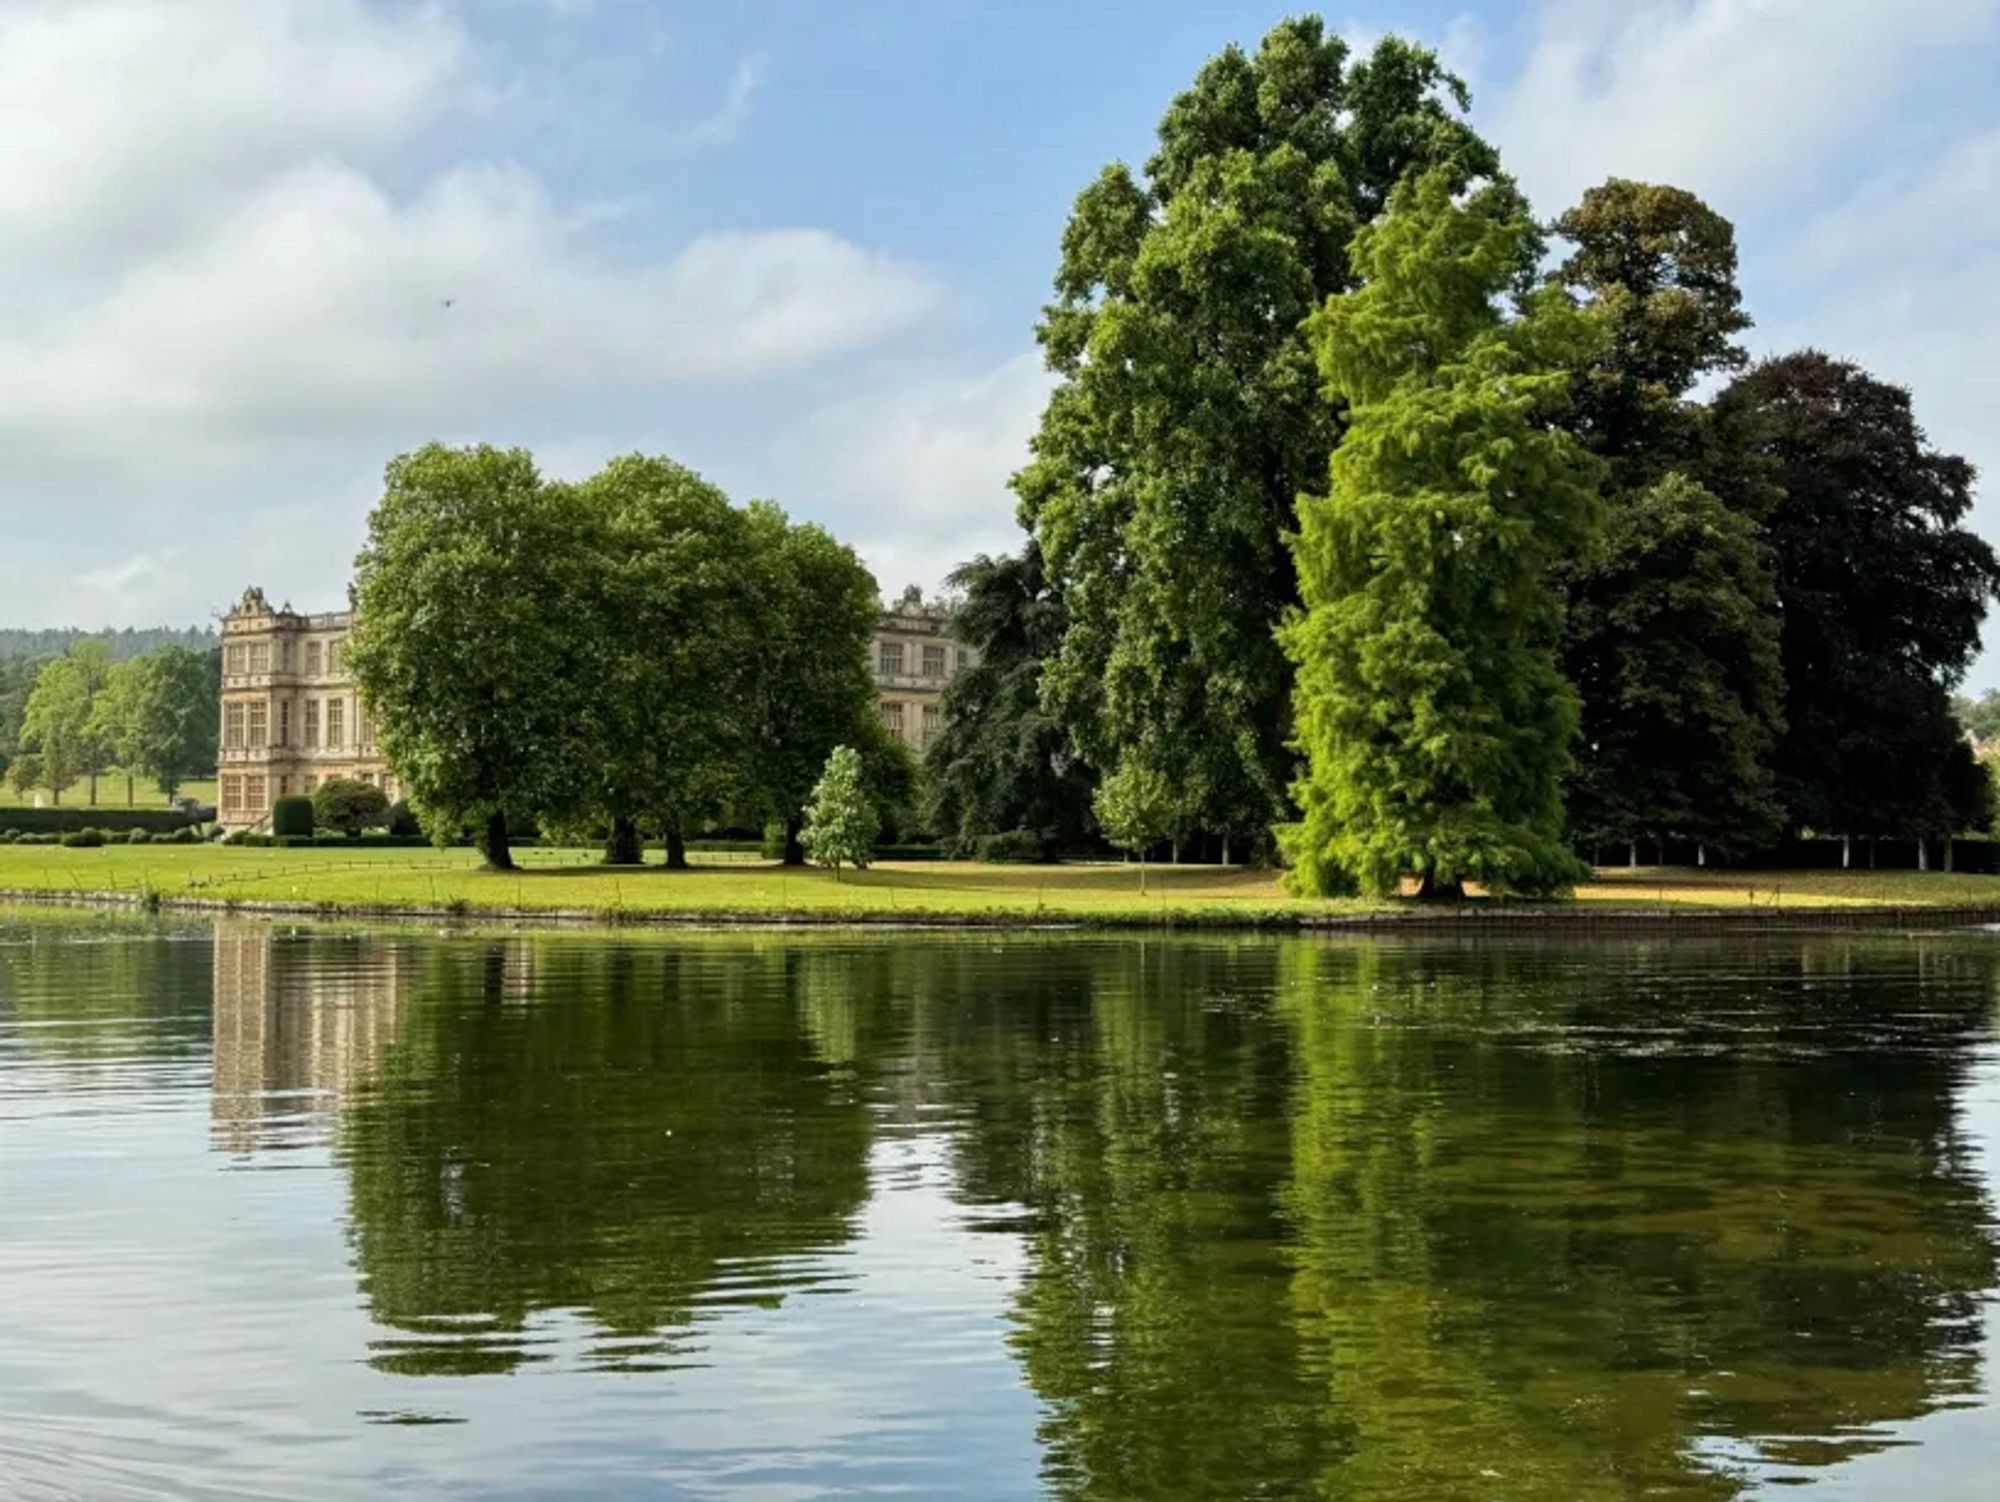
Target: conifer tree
{"x":840,"y":818}
{"x":1431,"y":708}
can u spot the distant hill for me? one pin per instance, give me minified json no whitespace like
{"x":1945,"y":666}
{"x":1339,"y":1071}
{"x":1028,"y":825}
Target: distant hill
{"x":17,"y":642}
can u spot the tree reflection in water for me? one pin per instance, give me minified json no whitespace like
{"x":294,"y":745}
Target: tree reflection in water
{"x":1353,"y":1220}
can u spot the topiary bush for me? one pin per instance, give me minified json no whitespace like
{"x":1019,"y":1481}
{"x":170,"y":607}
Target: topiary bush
{"x":83,"y":839}
{"x":292,"y":816}
{"x":403,"y":819}
{"x":349,"y":806}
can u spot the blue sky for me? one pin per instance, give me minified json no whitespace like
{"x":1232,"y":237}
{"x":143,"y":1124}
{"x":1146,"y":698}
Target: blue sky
{"x":255,"y":247}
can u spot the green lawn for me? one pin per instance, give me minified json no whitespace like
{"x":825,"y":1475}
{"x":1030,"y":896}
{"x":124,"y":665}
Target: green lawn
{"x":110,"y":794}
{"x":572,"y":881}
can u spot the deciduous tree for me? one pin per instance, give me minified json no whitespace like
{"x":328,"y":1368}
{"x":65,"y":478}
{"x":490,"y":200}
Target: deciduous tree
{"x":1671,"y":638}
{"x":1188,"y":415}
{"x":1434,"y":716}
{"x":466,"y":645}
{"x":1882,"y":591}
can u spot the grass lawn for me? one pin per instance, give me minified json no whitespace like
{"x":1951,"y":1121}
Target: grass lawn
{"x":110,"y":794}
{"x":571,"y":880}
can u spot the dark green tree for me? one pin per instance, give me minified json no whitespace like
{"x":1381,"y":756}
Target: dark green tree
{"x":1673,"y":650}
{"x":1671,"y":639}
{"x":1882,"y":592}
{"x":1434,"y":718}
{"x":1189,"y":414}
{"x":466,"y":645}
{"x":674,"y":656}
{"x":1003,"y":762}
{"x":814,"y":613}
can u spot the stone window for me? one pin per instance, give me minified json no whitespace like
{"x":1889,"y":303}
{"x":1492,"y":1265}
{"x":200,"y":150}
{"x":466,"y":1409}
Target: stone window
{"x":962,"y":657}
{"x":284,"y":722}
{"x":232,"y":795}
{"x":284,"y":654}
{"x":253,"y":795}
{"x":311,"y":741}
{"x":236,"y":659}
{"x":933,"y":661}
{"x":258,"y":716}
{"x":333,"y":656}
{"x":260,"y":657}
{"x":892,"y":719}
{"x":232,"y":726}
{"x":336,"y":724}
{"x":933,"y":722}
{"x":890,"y":655}
{"x":284,"y":787}
{"x":312,"y":659}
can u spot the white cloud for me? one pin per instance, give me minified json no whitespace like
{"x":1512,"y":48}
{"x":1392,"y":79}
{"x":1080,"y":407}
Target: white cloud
{"x":920,"y":465}
{"x":1725,"y":97}
{"x":235,"y":291}
{"x":721,"y":127}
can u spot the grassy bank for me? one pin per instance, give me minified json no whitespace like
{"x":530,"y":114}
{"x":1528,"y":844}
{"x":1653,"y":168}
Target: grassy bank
{"x":571,"y":882}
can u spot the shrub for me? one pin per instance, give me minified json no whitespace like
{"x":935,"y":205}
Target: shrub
{"x":292,"y":816}
{"x":185,"y":835}
{"x":139,"y":837}
{"x":343,"y":804}
{"x":403,"y":819}
{"x":119,"y":820}
{"x":84,"y":839}
{"x":8,"y":836}
{"x":1022,"y":846}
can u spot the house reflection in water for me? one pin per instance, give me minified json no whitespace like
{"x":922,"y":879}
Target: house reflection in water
{"x":300,"y":1022}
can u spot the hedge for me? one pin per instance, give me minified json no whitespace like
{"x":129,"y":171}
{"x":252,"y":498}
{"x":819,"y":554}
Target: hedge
{"x":292,"y":817}
{"x":115,"y":820}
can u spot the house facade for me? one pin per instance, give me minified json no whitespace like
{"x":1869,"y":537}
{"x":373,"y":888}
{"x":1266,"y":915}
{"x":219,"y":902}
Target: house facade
{"x":292,"y":718}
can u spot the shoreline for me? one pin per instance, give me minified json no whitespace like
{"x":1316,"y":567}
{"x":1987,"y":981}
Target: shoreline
{"x":1500,"y":918}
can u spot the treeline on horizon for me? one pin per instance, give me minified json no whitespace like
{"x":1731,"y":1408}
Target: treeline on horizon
{"x":1375,"y":515}
{"x":75,"y":716}
{"x":38,"y":644}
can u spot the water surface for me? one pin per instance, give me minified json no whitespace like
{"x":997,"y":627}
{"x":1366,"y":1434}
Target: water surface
{"x":303,"y":1213}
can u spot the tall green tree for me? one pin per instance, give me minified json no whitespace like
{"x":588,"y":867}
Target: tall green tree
{"x":177,"y":716}
{"x":675,"y":652}
{"x":814,"y":609}
{"x":1188,"y":415}
{"x":1431,"y":708}
{"x":1003,"y":761}
{"x":114,"y":716}
{"x":1882,"y":591}
{"x":1672,"y":631}
{"x":56,"y":722}
{"x":841,"y":822}
{"x":466,"y":645}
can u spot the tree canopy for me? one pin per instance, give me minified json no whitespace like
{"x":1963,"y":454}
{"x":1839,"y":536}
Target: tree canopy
{"x":1882,"y":591}
{"x":1434,"y":716}
{"x":465,"y":643}
{"x":1188,"y":415}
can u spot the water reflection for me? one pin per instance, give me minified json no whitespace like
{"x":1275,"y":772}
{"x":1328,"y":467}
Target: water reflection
{"x":1158,"y":1219}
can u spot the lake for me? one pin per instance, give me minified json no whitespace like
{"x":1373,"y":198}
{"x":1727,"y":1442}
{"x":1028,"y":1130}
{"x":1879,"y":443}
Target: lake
{"x":296,"y":1212}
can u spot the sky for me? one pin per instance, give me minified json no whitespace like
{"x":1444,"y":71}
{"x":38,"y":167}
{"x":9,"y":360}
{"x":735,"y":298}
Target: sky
{"x":252,"y":249}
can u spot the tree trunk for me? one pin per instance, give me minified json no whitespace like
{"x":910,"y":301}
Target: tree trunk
{"x":1632,"y":855}
{"x":1430,"y":889}
{"x":1701,"y":855}
{"x":795,"y":852}
{"x":493,"y":843}
{"x":677,"y":849}
{"x":1872,"y":844}
{"x":1949,"y":850}
{"x":1847,"y":852}
{"x":1225,"y":847}
{"x":1923,"y":853}
{"x":623,"y":847}
{"x":93,"y":790}
{"x":1177,"y":849}
{"x":129,"y":803}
